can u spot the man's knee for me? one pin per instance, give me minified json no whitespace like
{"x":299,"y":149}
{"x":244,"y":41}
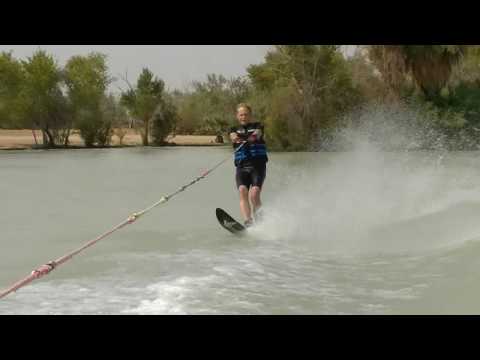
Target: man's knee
{"x":255,"y":193}
{"x":243,"y":192}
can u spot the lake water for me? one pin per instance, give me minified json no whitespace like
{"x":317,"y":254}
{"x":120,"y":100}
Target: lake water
{"x":362,"y":232}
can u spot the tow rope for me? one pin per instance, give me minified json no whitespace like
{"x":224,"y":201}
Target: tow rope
{"x":52,"y":265}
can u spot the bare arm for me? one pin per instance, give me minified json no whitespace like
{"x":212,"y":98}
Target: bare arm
{"x":257,"y":135}
{"x":234,"y":137}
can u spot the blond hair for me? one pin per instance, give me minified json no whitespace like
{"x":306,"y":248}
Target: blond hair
{"x":245,"y":106}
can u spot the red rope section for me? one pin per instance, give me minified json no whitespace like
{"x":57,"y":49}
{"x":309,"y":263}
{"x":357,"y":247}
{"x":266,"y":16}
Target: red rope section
{"x":46,"y":269}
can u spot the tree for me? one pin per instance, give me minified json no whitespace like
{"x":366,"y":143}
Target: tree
{"x":366,"y":79}
{"x":41,"y":100}
{"x":119,"y":117}
{"x":429,"y":66}
{"x":11,"y":81}
{"x":87,"y":80}
{"x":210,"y":106}
{"x":215,"y":103}
{"x":112,"y":115}
{"x":304,"y":87}
{"x":164,"y":121}
{"x":143,"y":101}
{"x":190,"y":110}
{"x":468,"y":70}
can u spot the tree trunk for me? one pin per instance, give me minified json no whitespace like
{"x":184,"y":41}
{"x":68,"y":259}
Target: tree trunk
{"x":146,"y":133}
{"x":50,"y":139}
{"x":67,"y":135}
{"x":35,"y":137}
{"x":44,"y":138}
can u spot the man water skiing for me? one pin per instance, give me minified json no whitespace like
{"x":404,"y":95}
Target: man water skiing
{"x":250,"y":160}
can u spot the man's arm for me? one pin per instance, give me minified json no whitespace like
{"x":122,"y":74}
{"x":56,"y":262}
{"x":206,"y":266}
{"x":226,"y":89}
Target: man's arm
{"x":257,"y":134}
{"x":234,"y":136}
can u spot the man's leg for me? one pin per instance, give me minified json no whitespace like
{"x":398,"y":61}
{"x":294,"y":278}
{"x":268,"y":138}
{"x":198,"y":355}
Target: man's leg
{"x":245,"y":204}
{"x":243,"y":178}
{"x":254,"y":195}
{"x":258,"y":178}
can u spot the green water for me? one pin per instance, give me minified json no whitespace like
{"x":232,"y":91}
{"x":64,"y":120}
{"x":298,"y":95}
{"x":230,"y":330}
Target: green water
{"x":345,"y":233}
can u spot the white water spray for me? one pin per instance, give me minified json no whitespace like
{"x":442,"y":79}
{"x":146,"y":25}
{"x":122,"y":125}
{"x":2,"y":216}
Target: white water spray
{"x":371,"y":200}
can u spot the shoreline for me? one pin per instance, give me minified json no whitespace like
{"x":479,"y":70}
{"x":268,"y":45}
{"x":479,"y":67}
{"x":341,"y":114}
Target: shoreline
{"x":18,"y":140}
{"x":23,"y":140}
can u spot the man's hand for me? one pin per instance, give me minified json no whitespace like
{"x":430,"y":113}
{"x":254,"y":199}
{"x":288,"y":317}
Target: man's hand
{"x":235,"y":138}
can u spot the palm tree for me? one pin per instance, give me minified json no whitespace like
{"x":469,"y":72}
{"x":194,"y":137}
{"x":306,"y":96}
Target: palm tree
{"x":430,"y":66}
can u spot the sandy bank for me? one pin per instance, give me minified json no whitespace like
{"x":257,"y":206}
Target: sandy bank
{"x":24,"y":139}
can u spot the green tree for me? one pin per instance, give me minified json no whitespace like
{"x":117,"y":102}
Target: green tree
{"x":216,"y":105}
{"x":41,"y":100}
{"x":305,"y":88}
{"x":366,"y":79}
{"x":209,"y":108}
{"x":117,"y":113}
{"x":164,"y":121}
{"x":143,"y":101}
{"x":11,"y":81}
{"x":468,"y":70}
{"x":113,"y":115}
{"x":87,"y":80}
{"x":190,"y":110}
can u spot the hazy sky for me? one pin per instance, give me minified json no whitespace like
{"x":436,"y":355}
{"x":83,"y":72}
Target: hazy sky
{"x":177,"y":65}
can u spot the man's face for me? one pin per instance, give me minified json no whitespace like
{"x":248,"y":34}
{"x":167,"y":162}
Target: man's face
{"x":243,"y":116}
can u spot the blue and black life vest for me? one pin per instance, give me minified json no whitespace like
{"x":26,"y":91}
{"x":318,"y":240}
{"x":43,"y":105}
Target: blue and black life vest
{"x":251,"y":153}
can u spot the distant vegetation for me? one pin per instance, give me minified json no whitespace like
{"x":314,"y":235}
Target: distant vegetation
{"x":300,"y":92}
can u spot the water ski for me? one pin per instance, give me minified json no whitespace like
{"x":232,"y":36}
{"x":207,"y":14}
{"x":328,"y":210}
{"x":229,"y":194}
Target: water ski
{"x":229,"y":223}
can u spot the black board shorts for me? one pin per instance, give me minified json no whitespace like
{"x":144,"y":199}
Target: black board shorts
{"x":250,"y":176}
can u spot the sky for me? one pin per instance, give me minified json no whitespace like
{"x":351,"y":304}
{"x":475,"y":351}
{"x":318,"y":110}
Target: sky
{"x":177,"y":65}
